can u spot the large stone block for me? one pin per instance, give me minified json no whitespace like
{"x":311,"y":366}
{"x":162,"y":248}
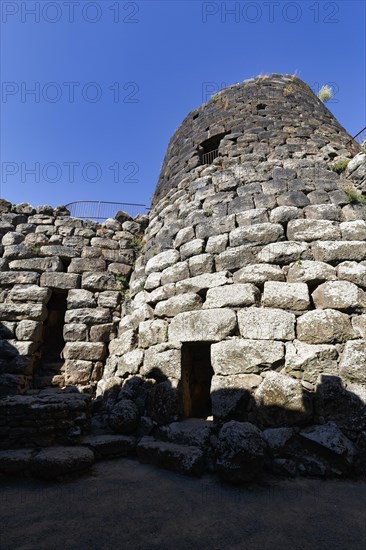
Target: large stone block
{"x":29,"y":330}
{"x":339,"y":251}
{"x":238,"y":356}
{"x":161,"y":362}
{"x":18,"y":312}
{"x":359,"y":325}
{"x":353,"y":272}
{"x":123,"y":344}
{"x":266,"y":324}
{"x":15,"y":251}
{"x":329,"y":440}
{"x":293,"y":296}
{"x":281,"y":401}
{"x":235,"y":295}
{"x":183,"y":459}
{"x":21,"y":348}
{"x":230,"y":395}
{"x":354,"y":230}
{"x":308,"y":271}
{"x":183,"y":236}
{"x":283,"y":252}
{"x":261,"y":233}
{"x":58,"y":461}
{"x":153,"y":281}
{"x":313,"y":230}
{"x":64,"y":281}
{"x":86,"y":351}
{"x":10,"y":278}
{"x":235,"y":258}
{"x":99,"y":281}
{"x":64,"y":252}
{"x":251,"y":216}
{"x":130,"y":362}
{"x":325,"y":326}
{"x":217,"y":243}
{"x":258,"y":274}
{"x":37,"y":264}
{"x":15,"y":461}
{"x":79,"y":265}
{"x":201,"y":264}
{"x":173,"y":273}
{"x":178,"y":304}
{"x":88,"y":316}
{"x":215,"y":226}
{"x":12,"y":238}
{"x":283,"y":214}
{"x":29,"y":293}
{"x":341,"y":295}
{"x":101,"y":333}
{"x":240,"y":452}
{"x":352,"y":366}
{"x":124,"y":417}
{"x":75,"y":332}
{"x":162,"y":293}
{"x":78,"y":372}
{"x":109,"y":298}
{"x":309,"y":361}
{"x":79,"y":298}
{"x":203,"y":282}
{"x":161,"y":261}
{"x":101,"y":242}
{"x":152,"y":332}
{"x":192,"y":248}
{"x":202,"y":326}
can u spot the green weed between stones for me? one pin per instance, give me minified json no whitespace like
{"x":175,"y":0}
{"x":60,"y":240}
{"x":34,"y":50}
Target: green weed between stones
{"x":340,"y":166}
{"x":123,"y":282}
{"x":36,"y":250}
{"x":354,"y":197}
{"x":136,"y":243}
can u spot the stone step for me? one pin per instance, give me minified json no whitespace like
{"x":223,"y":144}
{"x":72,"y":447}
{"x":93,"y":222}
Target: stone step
{"x":51,"y":463}
{"x":109,"y":445}
{"x":54,"y":366}
{"x":194,"y":431}
{"x":184,"y":459}
{"x":48,"y":380}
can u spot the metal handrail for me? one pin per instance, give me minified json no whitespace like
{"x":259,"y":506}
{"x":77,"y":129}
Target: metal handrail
{"x":360,"y":136}
{"x":101,"y":210}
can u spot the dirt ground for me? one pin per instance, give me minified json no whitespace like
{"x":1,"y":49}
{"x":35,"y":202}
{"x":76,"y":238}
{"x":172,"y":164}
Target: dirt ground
{"x":126,"y":505}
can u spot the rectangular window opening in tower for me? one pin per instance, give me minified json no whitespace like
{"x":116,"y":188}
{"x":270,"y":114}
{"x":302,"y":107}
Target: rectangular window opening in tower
{"x":209,"y":149}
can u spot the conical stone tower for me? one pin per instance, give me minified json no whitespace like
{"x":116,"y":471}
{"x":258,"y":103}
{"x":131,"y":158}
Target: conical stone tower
{"x":241,"y":338}
{"x":249,"y":294}
{"x":249,"y":297}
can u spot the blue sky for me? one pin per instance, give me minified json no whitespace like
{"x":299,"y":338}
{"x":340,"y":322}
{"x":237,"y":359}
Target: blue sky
{"x":112,"y":80}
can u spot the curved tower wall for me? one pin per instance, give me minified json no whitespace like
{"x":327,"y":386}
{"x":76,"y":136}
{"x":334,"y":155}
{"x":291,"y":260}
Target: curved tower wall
{"x":258,"y":255}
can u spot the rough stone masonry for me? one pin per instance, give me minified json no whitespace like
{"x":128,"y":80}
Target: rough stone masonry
{"x":225,"y":332}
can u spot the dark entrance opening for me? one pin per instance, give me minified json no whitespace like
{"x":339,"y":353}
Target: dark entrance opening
{"x":196,"y":380}
{"x":209,"y":149}
{"x":51,"y":361}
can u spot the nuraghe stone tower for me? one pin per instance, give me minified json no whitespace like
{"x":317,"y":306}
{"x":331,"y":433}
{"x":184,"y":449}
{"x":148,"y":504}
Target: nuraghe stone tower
{"x":240,"y":341}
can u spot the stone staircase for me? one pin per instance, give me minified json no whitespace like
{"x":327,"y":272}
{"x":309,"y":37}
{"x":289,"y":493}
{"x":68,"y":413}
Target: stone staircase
{"x":183,"y":447}
{"x":50,"y":374}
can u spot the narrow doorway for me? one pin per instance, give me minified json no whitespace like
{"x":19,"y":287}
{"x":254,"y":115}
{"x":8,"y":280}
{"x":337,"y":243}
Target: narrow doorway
{"x":51,"y":361}
{"x":196,"y":378}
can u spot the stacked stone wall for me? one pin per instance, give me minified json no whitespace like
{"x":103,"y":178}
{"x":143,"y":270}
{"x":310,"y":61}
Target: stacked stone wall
{"x":45,"y":251}
{"x":44,"y":419}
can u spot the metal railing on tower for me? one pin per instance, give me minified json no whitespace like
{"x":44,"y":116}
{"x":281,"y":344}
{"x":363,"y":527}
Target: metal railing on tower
{"x":101,"y":210}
